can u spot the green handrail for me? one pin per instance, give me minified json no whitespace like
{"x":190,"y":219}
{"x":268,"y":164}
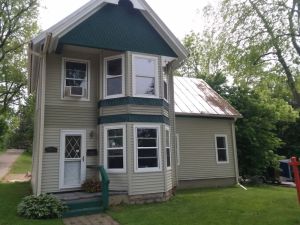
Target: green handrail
{"x":105,"y":187}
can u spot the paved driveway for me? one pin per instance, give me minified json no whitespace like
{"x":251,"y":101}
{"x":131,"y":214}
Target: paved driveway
{"x":7,"y":159}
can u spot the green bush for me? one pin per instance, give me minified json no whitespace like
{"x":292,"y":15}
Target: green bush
{"x":41,"y":207}
{"x":91,"y":186}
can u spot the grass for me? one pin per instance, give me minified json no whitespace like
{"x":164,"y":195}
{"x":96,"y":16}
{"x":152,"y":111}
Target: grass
{"x":230,"y":206}
{"x":23,"y":164}
{"x":10,"y":197}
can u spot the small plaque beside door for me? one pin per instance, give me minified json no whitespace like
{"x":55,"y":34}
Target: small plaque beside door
{"x":92,"y":152}
{"x":51,"y":150}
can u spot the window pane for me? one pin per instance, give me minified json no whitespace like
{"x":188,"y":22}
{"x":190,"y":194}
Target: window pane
{"x":146,"y":163}
{"x":115,"y":152}
{"x":168,"y":157}
{"x":144,"y":67}
{"x":147,"y":153}
{"x":222,"y":157}
{"x":145,"y":86}
{"x":115,"y":132}
{"x":146,"y":132}
{"x":115,"y":142}
{"x":114,"y":67}
{"x":221,"y":142}
{"x":167,"y":138}
{"x":76,"y":70}
{"x":147,"y":143}
{"x":114,"y":86}
{"x":115,"y":162}
{"x":165,"y":90}
{"x":75,"y":83}
{"x":72,"y":147}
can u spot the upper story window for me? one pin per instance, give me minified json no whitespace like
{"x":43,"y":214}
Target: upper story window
{"x":166,"y":85}
{"x":147,"y":150}
{"x":75,"y":78}
{"x":145,"y":76}
{"x":114,"y":77}
{"x":221,"y":148}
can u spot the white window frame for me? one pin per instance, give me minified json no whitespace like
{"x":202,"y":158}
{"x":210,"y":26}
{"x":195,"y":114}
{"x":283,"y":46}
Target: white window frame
{"x":151,"y":169}
{"x":63,"y":79}
{"x":156,"y":77}
{"x":105,"y":77}
{"x":165,"y":79}
{"x":226,"y":146}
{"x":112,"y":127}
{"x":169,"y":147}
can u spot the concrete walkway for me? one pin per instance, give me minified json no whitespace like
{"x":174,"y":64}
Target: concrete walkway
{"x":7,"y":159}
{"x":98,"y":219}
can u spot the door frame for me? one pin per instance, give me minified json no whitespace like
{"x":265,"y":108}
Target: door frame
{"x":63,"y":134}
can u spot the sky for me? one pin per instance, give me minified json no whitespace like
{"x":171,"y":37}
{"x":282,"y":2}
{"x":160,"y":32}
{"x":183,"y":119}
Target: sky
{"x":180,"y":16}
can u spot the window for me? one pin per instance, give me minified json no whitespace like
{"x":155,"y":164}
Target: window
{"x":147,"y":151}
{"x":221,"y":148}
{"x":166,"y":91}
{"x":115,"y":155}
{"x":168,"y":150}
{"x":114,"y":77}
{"x":145,"y":71}
{"x":75,"y":78}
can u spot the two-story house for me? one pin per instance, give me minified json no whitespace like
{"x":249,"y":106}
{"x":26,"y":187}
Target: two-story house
{"x":104,"y":86}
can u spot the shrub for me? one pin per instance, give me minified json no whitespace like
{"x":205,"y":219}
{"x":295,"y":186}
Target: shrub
{"x":91,"y":186}
{"x":41,"y":207}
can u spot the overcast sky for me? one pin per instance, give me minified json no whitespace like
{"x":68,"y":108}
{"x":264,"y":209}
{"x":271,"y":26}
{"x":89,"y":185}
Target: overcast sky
{"x":180,"y":16}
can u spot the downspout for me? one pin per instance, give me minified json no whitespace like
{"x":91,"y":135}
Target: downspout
{"x":236,"y":166}
{"x":41,"y":140}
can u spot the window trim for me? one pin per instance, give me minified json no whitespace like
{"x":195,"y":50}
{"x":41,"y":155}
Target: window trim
{"x":151,"y":169}
{"x":178,"y":149}
{"x":167,"y":128}
{"x":216,"y":148}
{"x":112,"y":127}
{"x":156,"y":76}
{"x":105,"y":96}
{"x":63,"y":78}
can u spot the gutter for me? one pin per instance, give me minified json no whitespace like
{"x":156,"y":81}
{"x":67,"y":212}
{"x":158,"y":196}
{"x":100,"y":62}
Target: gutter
{"x":236,"y":166}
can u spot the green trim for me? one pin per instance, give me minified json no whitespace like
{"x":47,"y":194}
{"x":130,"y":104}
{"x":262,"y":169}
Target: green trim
{"x":133,"y":101}
{"x":133,"y":118}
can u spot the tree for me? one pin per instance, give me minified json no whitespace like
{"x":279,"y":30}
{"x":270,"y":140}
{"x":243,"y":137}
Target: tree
{"x":18,"y":22}
{"x":265,"y":32}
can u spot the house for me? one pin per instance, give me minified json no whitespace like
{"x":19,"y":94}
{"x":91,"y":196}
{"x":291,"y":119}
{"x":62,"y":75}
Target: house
{"x":104,"y":86}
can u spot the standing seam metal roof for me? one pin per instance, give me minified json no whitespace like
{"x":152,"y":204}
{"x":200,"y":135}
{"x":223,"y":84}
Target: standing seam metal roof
{"x":195,"y":97}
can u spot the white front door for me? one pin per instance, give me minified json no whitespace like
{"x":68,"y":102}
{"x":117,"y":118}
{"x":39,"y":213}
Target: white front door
{"x":72,"y":158}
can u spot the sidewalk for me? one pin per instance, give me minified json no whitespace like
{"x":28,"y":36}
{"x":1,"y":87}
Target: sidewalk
{"x":7,"y":159}
{"x":98,"y":219}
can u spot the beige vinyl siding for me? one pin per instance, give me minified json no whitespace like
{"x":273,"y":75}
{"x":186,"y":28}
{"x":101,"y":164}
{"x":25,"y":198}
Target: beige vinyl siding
{"x":142,"y":183}
{"x":169,"y":180}
{"x":51,"y":161}
{"x":197,"y":148}
{"x":146,"y":110}
{"x":113,"y":110}
{"x":61,"y":114}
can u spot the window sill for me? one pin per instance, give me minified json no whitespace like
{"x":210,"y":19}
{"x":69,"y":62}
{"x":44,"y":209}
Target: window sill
{"x":75,"y":99}
{"x":114,"y":96}
{"x":148,"y":170}
{"x":222,"y":163}
{"x":146,"y":96}
{"x":116,"y":171}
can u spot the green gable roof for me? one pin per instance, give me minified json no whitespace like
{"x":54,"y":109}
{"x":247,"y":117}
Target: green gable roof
{"x":117,"y":27}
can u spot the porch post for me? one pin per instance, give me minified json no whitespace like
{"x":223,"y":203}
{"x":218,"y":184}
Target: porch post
{"x":294,"y":163}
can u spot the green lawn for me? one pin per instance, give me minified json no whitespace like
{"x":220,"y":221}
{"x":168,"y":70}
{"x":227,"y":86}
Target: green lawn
{"x":231,"y":206}
{"x":10,"y":196}
{"x":23,"y":164}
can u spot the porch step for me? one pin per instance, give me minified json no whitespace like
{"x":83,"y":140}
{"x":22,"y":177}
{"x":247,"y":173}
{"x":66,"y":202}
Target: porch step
{"x":83,"y":212}
{"x":83,"y":207}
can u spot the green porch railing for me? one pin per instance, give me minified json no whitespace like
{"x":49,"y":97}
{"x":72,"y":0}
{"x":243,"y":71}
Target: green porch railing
{"x":105,"y":187}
